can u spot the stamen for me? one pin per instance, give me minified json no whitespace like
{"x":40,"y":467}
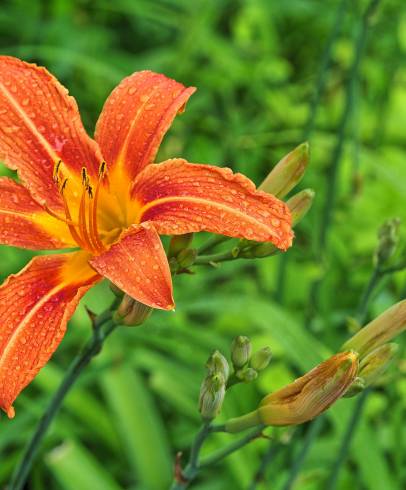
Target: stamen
{"x":102,"y":170}
{"x":59,"y":218}
{"x":94,"y":232}
{"x":55,"y":174}
{"x":69,"y":221}
{"x":82,"y":214}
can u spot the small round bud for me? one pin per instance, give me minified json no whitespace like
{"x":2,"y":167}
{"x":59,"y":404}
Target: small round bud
{"x":179,"y":243}
{"x":240,"y":351}
{"x":217,"y":364}
{"x":247,"y":375}
{"x":261,"y":359}
{"x":212,"y":394}
{"x":388,"y":239}
{"x":186,"y":257}
{"x":131,"y":312}
{"x":259,"y":250}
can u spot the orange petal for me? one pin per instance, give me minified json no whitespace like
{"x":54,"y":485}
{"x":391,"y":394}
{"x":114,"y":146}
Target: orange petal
{"x":137,"y":264}
{"x":24,"y":223}
{"x":136,"y":117}
{"x":39,"y":125}
{"x":180,"y":197}
{"x":35,"y":306}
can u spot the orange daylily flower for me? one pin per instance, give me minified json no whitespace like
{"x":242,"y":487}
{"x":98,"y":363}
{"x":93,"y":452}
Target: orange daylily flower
{"x":105,"y":198}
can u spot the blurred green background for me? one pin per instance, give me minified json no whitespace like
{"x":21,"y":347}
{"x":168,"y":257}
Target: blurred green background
{"x":270,"y":74}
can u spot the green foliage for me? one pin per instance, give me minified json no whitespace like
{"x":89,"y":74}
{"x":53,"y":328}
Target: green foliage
{"x":257,"y":66}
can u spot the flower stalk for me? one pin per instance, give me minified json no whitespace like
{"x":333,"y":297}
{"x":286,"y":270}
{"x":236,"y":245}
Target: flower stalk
{"x":103,"y":326}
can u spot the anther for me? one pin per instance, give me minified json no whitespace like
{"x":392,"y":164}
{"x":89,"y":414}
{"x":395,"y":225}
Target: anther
{"x":102,"y":169}
{"x":85,"y":178}
{"x":63,"y":186}
{"x":55,"y":174}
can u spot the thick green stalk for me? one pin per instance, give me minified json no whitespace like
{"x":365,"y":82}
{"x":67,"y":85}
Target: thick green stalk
{"x":314,"y":105}
{"x":219,"y":455}
{"x":103,"y":326}
{"x":269,"y":456}
{"x":346,"y":440}
{"x":192,"y":468}
{"x":311,"y":436}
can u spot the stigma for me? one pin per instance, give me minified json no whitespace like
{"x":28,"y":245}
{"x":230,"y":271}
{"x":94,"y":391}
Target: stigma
{"x":84,"y":226}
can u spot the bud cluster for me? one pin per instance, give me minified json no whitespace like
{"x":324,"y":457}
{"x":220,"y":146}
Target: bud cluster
{"x":373,"y":345}
{"x":213,"y":388}
{"x":246,"y":367}
{"x":180,"y":254}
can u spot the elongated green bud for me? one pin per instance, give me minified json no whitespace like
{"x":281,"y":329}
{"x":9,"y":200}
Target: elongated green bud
{"x":131,"y":312}
{"x":385,"y":327}
{"x":217,"y":364}
{"x":300,"y":204}
{"x":240,"y":351}
{"x":388,"y":239}
{"x":287,"y":173}
{"x":212,"y":394}
{"x":179,"y":243}
{"x":375,"y":364}
{"x":261,"y":359}
{"x":356,"y":388}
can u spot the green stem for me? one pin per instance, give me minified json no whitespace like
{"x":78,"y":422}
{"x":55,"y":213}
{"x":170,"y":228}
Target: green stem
{"x":314,"y":105}
{"x":346,"y":440}
{"x":212,"y":242}
{"x":192,"y":468}
{"x":103,"y":327}
{"x":394,"y":268}
{"x":217,"y":456}
{"x":367,"y":294}
{"x":345,"y":118}
{"x":312,"y":433}
{"x":269,"y":456}
{"x":216,"y":258}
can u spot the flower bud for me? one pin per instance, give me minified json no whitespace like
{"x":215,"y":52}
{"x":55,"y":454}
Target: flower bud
{"x":287,"y":173}
{"x":388,"y":239}
{"x":259,"y":250}
{"x":378,"y":332}
{"x":305,"y":398}
{"x":131,"y":312}
{"x":300,"y":204}
{"x":261,"y":359}
{"x":312,"y":394}
{"x":212,"y":394}
{"x":247,"y":375}
{"x":374,"y":365}
{"x":179,"y":243}
{"x":217,"y":364}
{"x":240,"y":351}
{"x":186,"y":257}
{"x":355,"y":389}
